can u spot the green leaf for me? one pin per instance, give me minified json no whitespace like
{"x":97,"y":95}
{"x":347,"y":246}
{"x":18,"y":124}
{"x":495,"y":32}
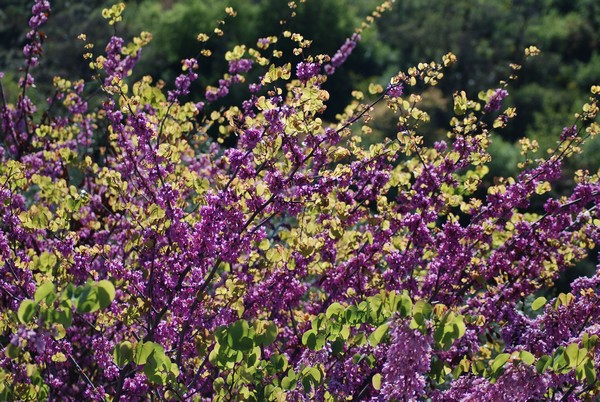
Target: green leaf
{"x":320,"y":341}
{"x":265,"y":243}
{"x":269,"y":335}
{"x":289,"y":382}
{"x":526,"y":357}
{"x":421,"y":311}
{"x":155,"y":212}
{"x":460,"y":103}
{"x":26,"y":311}
{"x":155,"y":370}
{"x":334,"y":309}
{"x":499,"y":362}
{"x":337,"y":346}
{"x":43,"y":291}
{"x":12,"y":351}
{"x":123,"y":353}
{"x":307,"y":384}
{"x":345,"y":332}
{"x":218,"y":384}
{"x":559,"y":361}
{"x":315,"y":374}
{"x":318,"y":321}
{"x":311,"y":376}
{"x":64,"y":316}
{"x":142,"y":352}
{"x":106,"y":293}
{"x":543,"y":363}
{"x":459,"y":326}
{"x":279,"y":362}
{"x":215,"y":354}
{"x":310,"y":339}
{"x":243,"y":344}
{"x":590,"y":372}
{"x":571,"y":354}
{"x":238,"y":329}
{"x":59,"y":357}
{"x":221,"y":334}
{"x":351,"y":315}
{"x":87,"y":302}
{"x":378,"y":334}
{"x":404,"y":306}
{"x":538,"y":303}
{"x":376,"y":381}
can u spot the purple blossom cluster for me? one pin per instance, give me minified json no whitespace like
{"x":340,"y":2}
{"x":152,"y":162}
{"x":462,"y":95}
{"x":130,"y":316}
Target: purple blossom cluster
{"x":568,"y":133}
{"x":240,"y":66}
{"x":395,"y":90}
{"x":33,"y":49}
{"x":407,"y":362}
{"x":116,"y":65}
{"x":306,"y":70}
{"x":183,"y":81}
{"x":519,"y":383}
{"x":342,"y":54}
{"x":495,"y":101}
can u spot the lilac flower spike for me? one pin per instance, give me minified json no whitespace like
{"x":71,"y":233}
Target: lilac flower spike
{"x":495,"y":101}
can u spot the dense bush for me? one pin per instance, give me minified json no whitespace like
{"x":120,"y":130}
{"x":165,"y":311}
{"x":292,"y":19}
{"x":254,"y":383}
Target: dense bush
{"x":162,"y":246}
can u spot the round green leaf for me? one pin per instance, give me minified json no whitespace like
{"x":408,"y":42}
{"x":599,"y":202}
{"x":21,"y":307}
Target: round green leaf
{"x":310,"y":339}
{"x":243,"y":343}
{"x":87,"y":302}
{"x":376,"y":381}
{"x":571,"y":354}
{"x":279,"y":362}
{"x":106,"y":293}
{"x":269,"y":335}
{"x":63,"y":316}
{"x":238,"y":329}
{"x":12,"y":351}
{"x":499,"y":361}
{"x":44,"y":290}
{"x":404,"y":306}
{"x":289,"y":382}
{"x":590,"y":372}
{"x":543,"y":363}
{"x":123,"y":353}
{"x":334,"y":309}
{"x":26,"y":311}
{"x":526,"y":357}
{"x":337,"y":346}
{"x":143,"y":351}
{"x":538,"y":303}
{"x":378,"y":334}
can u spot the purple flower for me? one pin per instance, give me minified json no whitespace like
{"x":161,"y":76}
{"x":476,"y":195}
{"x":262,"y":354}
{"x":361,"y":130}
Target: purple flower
{"x":40,"y":12}
{"x":183,"y":81}
{"x":395,"y":91}
{"x":495,"y":101}
{"x":568,"y":133}
{"x":408,"y":359}
{"x":305,"y":71}
{"x":240,"y":66}
{"x":342,"y":54}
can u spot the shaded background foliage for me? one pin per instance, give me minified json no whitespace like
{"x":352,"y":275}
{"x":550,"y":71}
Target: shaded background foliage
{"x":485,"y":35}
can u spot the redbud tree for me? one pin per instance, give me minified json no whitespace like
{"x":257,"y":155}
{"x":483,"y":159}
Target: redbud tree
{"x":143,"y":257}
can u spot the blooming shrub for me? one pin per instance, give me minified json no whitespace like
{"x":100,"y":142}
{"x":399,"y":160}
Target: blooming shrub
{"x":144,"y":259}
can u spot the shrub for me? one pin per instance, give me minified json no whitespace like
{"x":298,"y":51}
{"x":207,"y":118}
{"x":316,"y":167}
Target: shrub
{"x":159,"y":246}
